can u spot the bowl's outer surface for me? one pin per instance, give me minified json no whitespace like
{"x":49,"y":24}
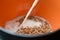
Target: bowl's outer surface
{"x":48,"y":9}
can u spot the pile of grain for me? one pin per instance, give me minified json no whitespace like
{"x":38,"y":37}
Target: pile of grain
{"x":34,"y":25}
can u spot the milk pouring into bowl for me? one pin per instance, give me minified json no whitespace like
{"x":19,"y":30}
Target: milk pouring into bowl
{"x":28,"y":24}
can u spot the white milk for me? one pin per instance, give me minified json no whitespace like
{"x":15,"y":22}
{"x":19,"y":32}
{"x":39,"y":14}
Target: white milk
{"x":31,"y":24}
{"x":13,"y":26}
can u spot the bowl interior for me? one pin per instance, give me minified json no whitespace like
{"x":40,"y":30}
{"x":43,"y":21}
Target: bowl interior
{"x":48,"y":9}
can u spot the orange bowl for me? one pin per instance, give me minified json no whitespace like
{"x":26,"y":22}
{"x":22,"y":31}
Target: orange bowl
{"x":48,"y":9}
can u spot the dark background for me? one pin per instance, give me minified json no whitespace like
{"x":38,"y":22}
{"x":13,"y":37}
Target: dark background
{"x":53,"y":36}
